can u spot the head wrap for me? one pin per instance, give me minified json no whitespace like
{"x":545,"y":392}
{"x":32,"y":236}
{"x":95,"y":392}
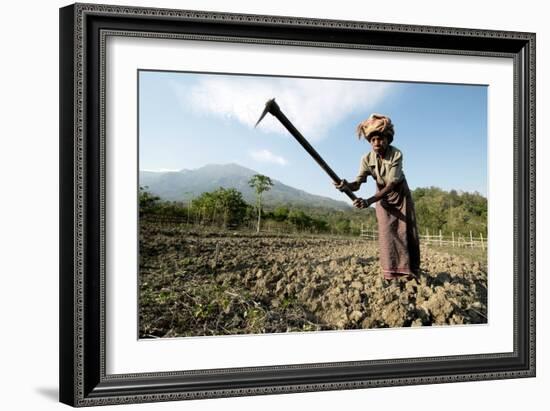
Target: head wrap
{"x":376,"y":124}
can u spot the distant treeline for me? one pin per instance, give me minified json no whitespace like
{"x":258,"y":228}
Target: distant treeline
{"x":436,"y":210}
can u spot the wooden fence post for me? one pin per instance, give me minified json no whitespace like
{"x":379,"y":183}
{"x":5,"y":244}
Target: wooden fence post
{"x":453,"y":239}
{"x":471,"y":240}
{"x":482,"y":244}
{"x":440,"y":239}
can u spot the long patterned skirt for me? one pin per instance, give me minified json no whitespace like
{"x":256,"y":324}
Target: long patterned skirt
{"x":398,"y":239}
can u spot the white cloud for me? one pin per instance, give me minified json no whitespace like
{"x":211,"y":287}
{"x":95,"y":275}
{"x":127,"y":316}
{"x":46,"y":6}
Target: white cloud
{"x":266,"y":156}
{"x":312,"y":105}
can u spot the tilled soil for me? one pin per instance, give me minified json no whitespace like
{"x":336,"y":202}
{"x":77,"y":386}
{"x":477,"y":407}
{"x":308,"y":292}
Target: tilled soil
{"x":195,"y":283}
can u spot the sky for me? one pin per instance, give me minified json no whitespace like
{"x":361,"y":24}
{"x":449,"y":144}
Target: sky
{"x":188,"y":120}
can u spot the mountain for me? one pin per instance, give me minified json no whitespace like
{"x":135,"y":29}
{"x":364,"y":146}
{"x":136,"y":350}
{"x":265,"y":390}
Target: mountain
{"x":185,"y":185}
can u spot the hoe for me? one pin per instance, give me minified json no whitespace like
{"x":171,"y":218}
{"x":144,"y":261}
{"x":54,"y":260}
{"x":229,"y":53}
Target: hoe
{"x":273,"y":108}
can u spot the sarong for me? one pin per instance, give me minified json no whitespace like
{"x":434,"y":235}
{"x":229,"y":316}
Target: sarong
{"x":398,"y":239}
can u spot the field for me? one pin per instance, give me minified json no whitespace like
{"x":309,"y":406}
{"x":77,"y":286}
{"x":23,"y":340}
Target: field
{"x":217,"y":283}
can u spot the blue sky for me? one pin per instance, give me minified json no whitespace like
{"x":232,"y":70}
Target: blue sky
{"x":187,"y":120}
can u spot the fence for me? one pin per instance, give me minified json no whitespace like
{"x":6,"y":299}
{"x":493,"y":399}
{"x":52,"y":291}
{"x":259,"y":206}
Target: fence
{"x":454,"y":240}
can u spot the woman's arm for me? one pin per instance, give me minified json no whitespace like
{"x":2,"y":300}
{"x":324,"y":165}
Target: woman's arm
{"x":380,"y":194}
{"x":362,"y":203}
{"x":354,"y":185}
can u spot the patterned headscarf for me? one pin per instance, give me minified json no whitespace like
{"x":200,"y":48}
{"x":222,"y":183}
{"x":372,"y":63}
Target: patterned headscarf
{"x":376,"y":124}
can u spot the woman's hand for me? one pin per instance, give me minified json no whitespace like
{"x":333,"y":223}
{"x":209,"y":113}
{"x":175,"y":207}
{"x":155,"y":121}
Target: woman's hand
{"x":353,"y":186}
{"x":362,"y":203}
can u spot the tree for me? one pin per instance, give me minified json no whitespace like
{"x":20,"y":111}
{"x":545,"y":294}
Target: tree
{"x":280,"y":213}
{"x":452,"y":211}
{"x":233,"y":206}
{"x":222,"y":205}
{"x":147,"y":202}
{"x":299,"y":219}
{"x":343,"y":226}
{"x":260,"y":183}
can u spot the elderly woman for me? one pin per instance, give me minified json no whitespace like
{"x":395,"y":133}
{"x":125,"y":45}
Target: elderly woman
{"x":397,"y":231}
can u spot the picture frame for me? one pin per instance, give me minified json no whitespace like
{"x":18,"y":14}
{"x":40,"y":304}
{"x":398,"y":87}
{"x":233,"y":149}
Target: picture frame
{"x":84,"y":82}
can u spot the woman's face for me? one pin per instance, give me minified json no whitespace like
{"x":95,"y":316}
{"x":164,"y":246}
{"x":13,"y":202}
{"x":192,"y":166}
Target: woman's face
{"x":379,"y":144}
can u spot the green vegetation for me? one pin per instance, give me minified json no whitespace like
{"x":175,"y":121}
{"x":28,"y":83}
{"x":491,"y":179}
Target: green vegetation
{"x":259,"y":183}
{"x":222,"y":205}
{"x":436,"y":210}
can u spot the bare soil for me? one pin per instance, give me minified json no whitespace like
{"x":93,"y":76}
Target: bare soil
{"x":199,"y":283}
